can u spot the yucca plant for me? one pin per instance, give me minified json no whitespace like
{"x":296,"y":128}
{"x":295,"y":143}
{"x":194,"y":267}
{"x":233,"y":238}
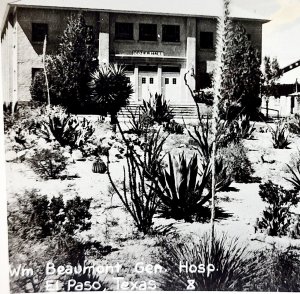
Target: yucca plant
{"x":110,"y":89}
{"x":244,"y":128}
{"x":158,"y":109}
{"x":182,"y":188}
{"x":233,"y":264}
{"x":280,"y":136}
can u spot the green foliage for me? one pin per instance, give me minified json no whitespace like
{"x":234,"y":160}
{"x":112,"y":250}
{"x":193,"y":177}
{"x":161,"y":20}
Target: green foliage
{"x":37,"y":218}
{"x":181,"y":191}
{"x":237,"y":162}
{"x":235,"y":267}
{"x":294,"y":124}
{"x":243,"y":127}
{"x":279,"y":271}
{"x":295,"y":179}
{"x":280,"y":136}
{"x":276,"y":216}
{"x":158,"y":109}
{"x":66,"y":129}
{"x":240,"y":75}
{"x":110,"y":89}
{"x":270,"y":74}
{"x":174,"y":128}
{"x":48,"y":163}
{"x":139,"y":122}
{"x":69,"y":70}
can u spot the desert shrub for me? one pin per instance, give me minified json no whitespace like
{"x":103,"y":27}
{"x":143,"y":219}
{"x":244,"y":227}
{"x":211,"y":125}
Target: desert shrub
{"x":237,"y":162}
{"x":48,"y":163}
{"x":280,"y":136}
{"x":35,"y":217}
{"x":277,"y":216}
{"x":279,"y":271}
{"x":181,"y":189}
{"x":66,"y":129}
{"x":158,"y":109}
{"x":294,"y":124}
{"x":234,"y":267}
{"x":174,"y":128}
{"x":139,"y":121}
{"x":110,"y":89}
{"x":139,"y":191}
{"x":243,"y":127}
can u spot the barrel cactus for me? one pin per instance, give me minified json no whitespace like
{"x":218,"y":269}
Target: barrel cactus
{"x":99,"y":166}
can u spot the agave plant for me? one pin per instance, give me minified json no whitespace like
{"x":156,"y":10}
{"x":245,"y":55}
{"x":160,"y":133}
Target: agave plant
{"x":182,"y":188}
{"x":244,"y":128}
{"x":280,"y":136}
{"x":158,"y":109}
{"x":295,"y":179}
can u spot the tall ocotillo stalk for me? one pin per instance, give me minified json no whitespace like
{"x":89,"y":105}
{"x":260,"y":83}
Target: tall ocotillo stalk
{"x":223,"y":25}
{"x":44,"y":67}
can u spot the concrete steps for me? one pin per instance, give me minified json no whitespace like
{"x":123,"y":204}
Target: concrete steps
{"x":179,"y":111}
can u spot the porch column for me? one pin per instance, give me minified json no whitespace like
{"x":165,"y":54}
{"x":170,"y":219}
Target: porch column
{"x":159,"y":78}
{"x":190,"y":57}
{"x":103,"y":38}
{"x":136,"y":83}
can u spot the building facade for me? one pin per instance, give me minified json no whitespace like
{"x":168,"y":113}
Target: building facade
{"x":158,"y":48}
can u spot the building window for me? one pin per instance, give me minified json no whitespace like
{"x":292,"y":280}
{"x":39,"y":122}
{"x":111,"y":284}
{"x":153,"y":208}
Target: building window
{"x":166,"y":81}
{"x":151,"y":81}
{"x":174,"y":81}
{"x":206,"y":40}
{"x":148,"y":32}
{"x":39,"y":31}
{"x":124,"y":31}
{"x":35,"y":71}
{"x":143,"y":80}
{"x":170,"y":33}
{"x":249,"y":37}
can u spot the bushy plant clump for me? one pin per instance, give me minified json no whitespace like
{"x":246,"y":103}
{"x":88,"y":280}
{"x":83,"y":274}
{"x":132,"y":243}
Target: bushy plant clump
{"x":48,"y":163}
{"x":158,"y":109}
{"x":237,"y":162}
{"x":66,"y":129}
{"x":280,"y":136}
{"x":294,"y":124}
{"x":234,"y":267}
{"x":277,"y":216}
{"x":174,"y":127}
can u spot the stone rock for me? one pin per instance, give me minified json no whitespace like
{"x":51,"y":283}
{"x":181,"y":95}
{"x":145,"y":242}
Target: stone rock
{"x":10,"y":156}
{"x":22,"y":154}
{"x":77,"y":155}
{"x":258,"y":237}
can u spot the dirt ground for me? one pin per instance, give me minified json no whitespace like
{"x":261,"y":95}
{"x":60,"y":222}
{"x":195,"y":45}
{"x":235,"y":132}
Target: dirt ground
{"x":112,"y":225}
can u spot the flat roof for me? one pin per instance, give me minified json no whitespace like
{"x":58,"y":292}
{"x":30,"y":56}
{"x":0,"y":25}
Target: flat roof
{"x":196,"y":8}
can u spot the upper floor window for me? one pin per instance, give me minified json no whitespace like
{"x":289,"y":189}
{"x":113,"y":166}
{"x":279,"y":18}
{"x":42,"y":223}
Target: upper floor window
{"x":39,"y":31}
{"x":124,"y":31}
{"x":148,"y":32}
{"x":170,"y":33}
{"x":206,"y":40}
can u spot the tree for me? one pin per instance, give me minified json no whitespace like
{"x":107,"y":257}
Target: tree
{"x":110,"y":89}
{"x":240,"y":74}
{"x":69,"y":70}
{"x":271,"y":72}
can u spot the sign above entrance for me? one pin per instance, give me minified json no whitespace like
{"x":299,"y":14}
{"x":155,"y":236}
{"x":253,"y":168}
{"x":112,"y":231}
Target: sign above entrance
{"x":147,"y":53}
